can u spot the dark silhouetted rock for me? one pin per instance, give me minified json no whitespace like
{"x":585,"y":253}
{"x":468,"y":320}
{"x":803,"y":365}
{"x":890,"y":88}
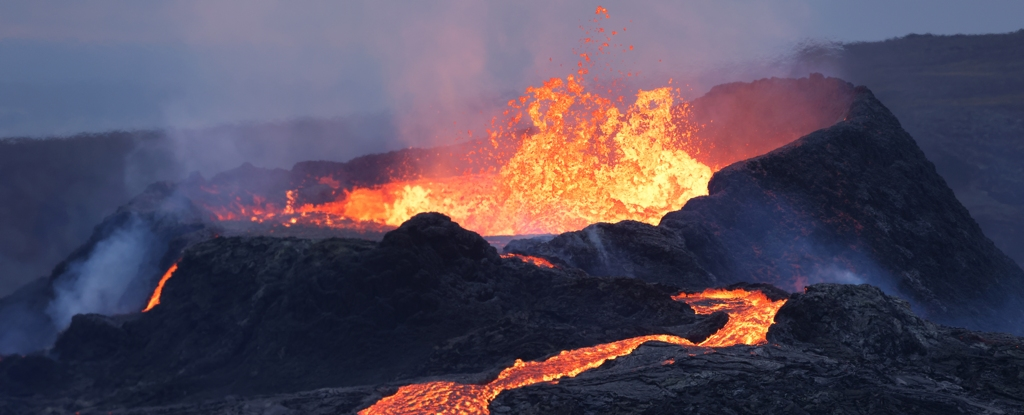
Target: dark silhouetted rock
{"x":269,"y":315}
{"x":858,"y":319}
{"x":835,"y":349}
{"x":856,"y":202}
{"x":628,"y":248}
{"x":157,"y":225}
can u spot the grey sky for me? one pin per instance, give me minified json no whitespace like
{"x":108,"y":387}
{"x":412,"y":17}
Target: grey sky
{"x":70,"y":66}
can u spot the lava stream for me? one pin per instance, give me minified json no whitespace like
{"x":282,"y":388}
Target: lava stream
{"x":538,"y":261}
{"x":750,"y":315}
{"x":154,"y":300}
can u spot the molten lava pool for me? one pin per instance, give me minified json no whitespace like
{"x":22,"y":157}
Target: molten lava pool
{"x":750,"y":315}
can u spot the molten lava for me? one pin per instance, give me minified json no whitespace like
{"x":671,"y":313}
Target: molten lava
{"x":750,"y":315}
{"x":577,"y":156}
{"x":154,"y":300}
{"x":583,"y":161}
{"x":538,"y":261}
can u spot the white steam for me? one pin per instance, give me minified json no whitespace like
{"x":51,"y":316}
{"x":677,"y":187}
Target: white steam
{"x":103,"y":282}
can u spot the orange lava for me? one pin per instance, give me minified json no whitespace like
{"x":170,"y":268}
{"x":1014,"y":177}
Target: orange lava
{"x":580,"y":156}
{"x":750,"y":315}
{"x":154,"y":300}
{"x":538,"y":261}
{"x":585,"y":161}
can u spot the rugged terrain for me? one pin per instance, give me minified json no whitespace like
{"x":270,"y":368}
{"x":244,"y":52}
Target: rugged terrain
{"x":258,"y":324}
{"x":834,"y":349}
{"x":855,"y":202}
{"x":962,"y":98}
{"x":259,"y":315}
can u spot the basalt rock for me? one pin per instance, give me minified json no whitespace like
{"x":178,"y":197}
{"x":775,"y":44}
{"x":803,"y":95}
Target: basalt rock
{"x":157,"y":225}
{"x":853,"y":203}
{"x":627,"y":248}
{"x":269,"y":315}
{"x":836,"y":349}
{"x":858,"y":320}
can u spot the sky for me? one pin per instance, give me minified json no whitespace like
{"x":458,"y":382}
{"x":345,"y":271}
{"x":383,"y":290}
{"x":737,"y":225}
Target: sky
{"x":437,"y":67}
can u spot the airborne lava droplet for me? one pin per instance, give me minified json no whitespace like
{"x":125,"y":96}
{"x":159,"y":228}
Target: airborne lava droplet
{"x":750,"y":315}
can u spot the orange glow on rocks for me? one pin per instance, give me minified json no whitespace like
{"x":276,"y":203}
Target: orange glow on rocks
{"x":538,"y":261}
{"x":154,"y":300}
{"x":750,"y":315}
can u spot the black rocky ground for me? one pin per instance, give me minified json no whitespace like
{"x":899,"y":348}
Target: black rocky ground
{"x":247,"y":323}
{"x":264,"y":315}
{"x":836,"y":349}
{"x":855,"y":202}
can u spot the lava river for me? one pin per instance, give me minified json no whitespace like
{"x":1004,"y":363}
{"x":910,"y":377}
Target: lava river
{"x":750,"y":315}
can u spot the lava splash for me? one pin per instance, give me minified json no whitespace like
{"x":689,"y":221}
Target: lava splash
{"x":750,"y":315}
{"x":564,"y":155}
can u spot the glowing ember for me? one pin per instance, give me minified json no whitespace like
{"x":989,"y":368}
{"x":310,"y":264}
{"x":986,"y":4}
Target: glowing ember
{"x":538,"y":261}
{"x":154,"y":300}
{"x":746,"y":310}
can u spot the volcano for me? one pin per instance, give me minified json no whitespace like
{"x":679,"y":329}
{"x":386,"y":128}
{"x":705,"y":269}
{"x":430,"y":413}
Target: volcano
{"x":824,"y":267}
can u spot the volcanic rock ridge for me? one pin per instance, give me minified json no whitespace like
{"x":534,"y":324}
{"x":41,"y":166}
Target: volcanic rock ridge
{"x":857,"y":202}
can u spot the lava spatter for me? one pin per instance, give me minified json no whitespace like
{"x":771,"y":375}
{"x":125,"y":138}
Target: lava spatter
{"x":577,"y":155}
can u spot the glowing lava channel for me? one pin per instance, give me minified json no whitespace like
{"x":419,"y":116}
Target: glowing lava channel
{"x":750,"y":315}
{"x":154,"y":300}
{"x":538,"y":261}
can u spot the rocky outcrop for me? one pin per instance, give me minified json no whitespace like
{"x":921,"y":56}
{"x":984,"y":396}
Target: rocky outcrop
{"x":628,"y":248}
{"x":853,"y":203}
{"x":113,"y":272}
{"x":854,"y":320}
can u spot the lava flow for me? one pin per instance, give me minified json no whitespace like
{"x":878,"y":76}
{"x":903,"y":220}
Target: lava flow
{"x":538,"y":261}
{"x":750,"y":315}
{"x":154,"y":300}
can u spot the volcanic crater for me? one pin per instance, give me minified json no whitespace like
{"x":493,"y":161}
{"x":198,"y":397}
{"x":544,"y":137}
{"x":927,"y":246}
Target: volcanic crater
{"x":827,"y":269}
